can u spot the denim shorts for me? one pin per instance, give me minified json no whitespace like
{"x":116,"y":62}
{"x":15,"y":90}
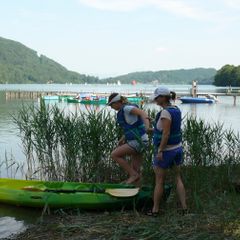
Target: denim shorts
{"x":170,"y":158}
{"x":138,"y":146}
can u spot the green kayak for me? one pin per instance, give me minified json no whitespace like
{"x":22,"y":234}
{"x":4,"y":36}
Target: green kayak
{"x":72,"y":195}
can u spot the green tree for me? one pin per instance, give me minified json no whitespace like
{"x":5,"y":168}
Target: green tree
{"x":228,"y":75}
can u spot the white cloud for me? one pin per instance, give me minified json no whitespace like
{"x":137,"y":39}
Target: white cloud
{"x":177,"y":7}
{"x":235,"y":4}
{"x":181,"y":8}
{"x":161,"y":49}
{"x":114,"y":5}
{"x":222,"y":13}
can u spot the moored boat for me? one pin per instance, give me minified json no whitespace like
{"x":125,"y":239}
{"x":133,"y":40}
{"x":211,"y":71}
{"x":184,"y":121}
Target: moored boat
{"x":73,"y":100}
{"x":49,"y":98}
{"x":196,"y":100}
{"x":64,"y":98}
{"x":31,"y":193}
{"x":135,"y":99}
{"x":92,"y":99}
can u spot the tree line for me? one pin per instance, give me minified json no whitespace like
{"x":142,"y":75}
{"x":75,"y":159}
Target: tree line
{"x":179,"y":76}
{"x":228,"y":75}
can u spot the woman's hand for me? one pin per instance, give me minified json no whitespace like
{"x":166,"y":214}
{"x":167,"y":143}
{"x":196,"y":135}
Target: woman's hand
{"x":121,"y":141}
{"x":150,"y":130}
{"x":159,"y":156}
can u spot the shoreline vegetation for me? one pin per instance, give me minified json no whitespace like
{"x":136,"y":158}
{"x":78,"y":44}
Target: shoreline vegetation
{"x":76,"y":147}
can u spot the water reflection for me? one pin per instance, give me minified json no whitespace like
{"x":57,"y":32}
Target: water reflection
{"x":10,"y":226}
{"x":14,"y":220}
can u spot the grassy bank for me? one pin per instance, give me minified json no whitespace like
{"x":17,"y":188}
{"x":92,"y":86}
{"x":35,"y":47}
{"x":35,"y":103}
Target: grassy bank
{"x":77,"y":147}
{"x":218,"y":219}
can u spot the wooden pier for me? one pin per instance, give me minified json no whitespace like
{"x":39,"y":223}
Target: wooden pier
{"x":37,"y":94}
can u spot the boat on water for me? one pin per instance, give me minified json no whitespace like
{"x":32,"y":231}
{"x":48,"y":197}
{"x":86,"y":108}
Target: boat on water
{"x":73,"y":100}
{"x":94,"y":99}
{"x":197,"y":100}
{"x":50,"y":98}
{"x":135,"y":99}
{"x":32,"y":193}
{"x":87,"y":99}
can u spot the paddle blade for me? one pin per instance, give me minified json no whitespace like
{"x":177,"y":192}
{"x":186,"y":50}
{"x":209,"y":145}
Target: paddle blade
{"x":123,"y":192}
{"x":34,"y":188}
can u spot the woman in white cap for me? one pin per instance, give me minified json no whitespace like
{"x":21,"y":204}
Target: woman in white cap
{"x":168,"y":152}
{"x":135,"y":123}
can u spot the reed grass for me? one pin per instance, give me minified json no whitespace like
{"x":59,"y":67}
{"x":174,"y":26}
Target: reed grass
{"x":68,"y":146}
{"x":76,"y":147}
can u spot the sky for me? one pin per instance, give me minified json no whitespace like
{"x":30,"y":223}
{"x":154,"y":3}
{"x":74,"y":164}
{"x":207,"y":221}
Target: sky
{"x":112,"y":37}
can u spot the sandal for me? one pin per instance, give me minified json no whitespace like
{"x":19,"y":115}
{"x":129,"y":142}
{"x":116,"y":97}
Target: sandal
{"x":183,"y":211}
{"x":150,"y":213}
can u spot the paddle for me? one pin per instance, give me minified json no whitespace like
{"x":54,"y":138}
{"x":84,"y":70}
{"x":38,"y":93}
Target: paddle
{"x":116,"y":192}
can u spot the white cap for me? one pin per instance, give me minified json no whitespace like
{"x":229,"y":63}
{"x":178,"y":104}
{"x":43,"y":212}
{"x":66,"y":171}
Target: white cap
{"x":115,"y":99}
{"x":160,"y":91}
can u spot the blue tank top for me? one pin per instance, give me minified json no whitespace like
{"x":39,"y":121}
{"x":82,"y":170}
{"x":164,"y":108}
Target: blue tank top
{"x":175,"y":136}
{"x":131,"y":131}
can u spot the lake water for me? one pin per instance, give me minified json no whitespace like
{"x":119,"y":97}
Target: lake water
{"x":224,"y":111}
{"x":10,"y":144}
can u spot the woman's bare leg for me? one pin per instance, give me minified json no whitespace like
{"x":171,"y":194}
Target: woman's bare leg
{"x":136,"y":165}
{"x":158,"y":190}
{"x":180,"y":188}
{"x":118,"y":155}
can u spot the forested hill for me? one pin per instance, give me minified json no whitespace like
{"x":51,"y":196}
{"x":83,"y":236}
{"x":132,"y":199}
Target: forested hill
{"x":228,"y":75}
{"x":181,"y":76}
{"x":20,"y":64}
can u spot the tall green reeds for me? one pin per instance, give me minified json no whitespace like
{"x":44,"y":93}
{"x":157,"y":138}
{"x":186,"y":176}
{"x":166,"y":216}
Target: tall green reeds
{"x":77,"y":146}
{"x":212,"y":159}
{"x":69,"y":146}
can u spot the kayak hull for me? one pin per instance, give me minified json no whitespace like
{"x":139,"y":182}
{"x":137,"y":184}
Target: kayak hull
{"x":196,"y":100}
{"x":73,"y":100}
{"x":11,"y":192}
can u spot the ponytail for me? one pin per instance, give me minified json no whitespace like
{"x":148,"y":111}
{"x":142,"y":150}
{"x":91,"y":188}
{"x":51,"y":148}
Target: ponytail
{"x":172,"y":95}
{"x":124,"y":100}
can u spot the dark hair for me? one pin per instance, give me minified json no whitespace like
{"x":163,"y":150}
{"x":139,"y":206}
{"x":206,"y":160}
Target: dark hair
{"x":113,"y":95}
{"x":122,"y":99}
{"x":172,"y":96}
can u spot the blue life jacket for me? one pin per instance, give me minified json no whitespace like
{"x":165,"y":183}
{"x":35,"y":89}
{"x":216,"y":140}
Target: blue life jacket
{"x":175,"y":136}
{"x":131,"y":131}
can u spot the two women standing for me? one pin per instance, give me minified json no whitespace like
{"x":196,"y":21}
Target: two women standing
{"x":167,"y":140}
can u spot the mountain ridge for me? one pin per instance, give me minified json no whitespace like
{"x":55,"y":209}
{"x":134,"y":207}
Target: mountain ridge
{"x":20,"y":64}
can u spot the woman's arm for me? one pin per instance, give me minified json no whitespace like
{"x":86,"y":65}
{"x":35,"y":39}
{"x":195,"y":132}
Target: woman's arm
{"x":143,"y":115}
{"x":166,"y":126}
{"x":121,"y":141}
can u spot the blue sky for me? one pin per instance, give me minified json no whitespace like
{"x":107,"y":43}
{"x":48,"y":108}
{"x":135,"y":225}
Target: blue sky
{"x":113,"y":37}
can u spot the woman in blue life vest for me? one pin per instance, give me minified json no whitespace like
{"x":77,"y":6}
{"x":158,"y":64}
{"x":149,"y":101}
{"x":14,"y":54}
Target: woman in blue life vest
{"x":168,"y":152}
{"x":135,"y":123}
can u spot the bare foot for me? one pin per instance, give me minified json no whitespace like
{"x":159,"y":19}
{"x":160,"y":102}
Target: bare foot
{"x":132,"y":179}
